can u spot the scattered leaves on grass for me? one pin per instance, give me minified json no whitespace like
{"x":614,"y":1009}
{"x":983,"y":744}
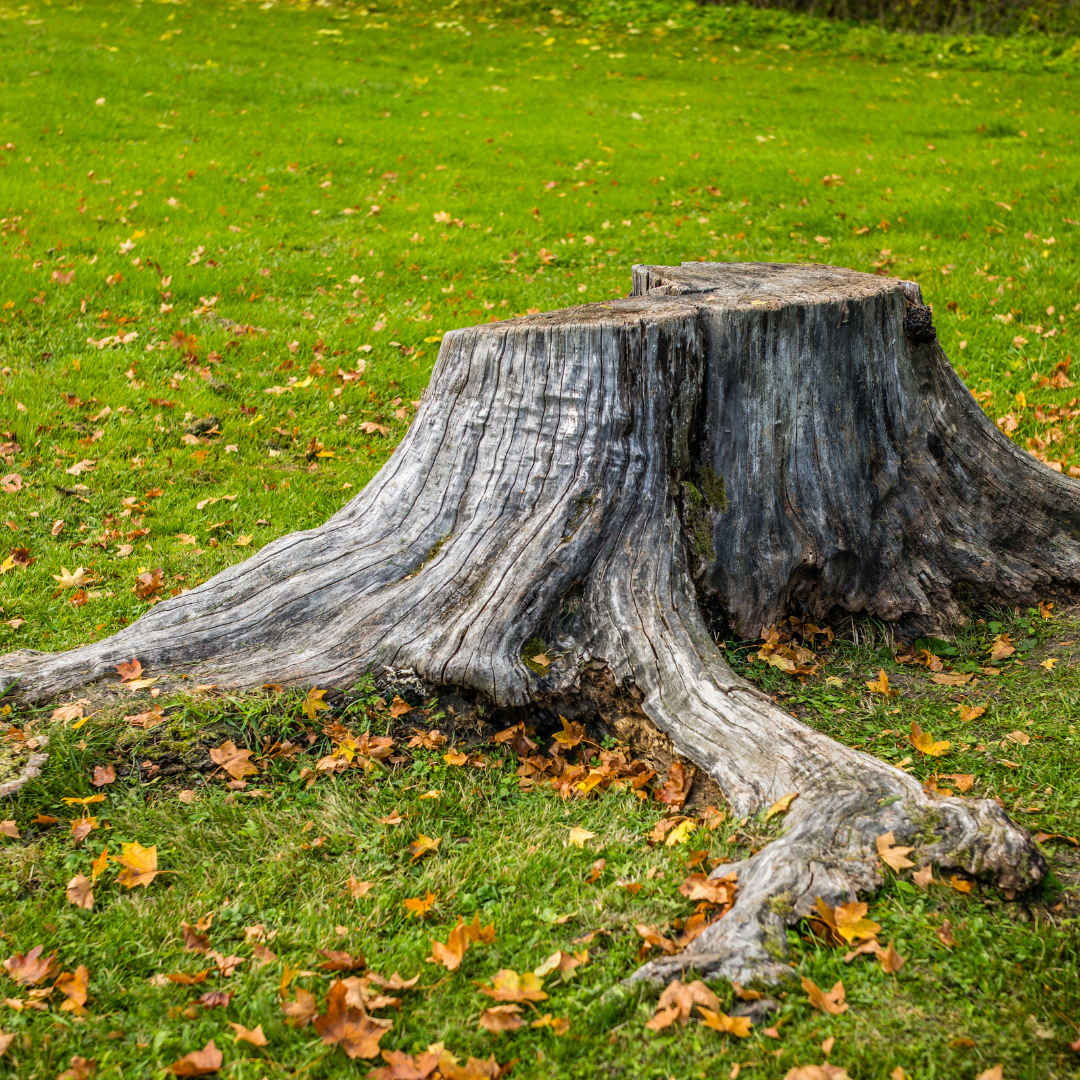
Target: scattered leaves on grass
{"x":1002,"y":647}
{"x":198,"y":1062}
{"x":559,"y":1025}
{"x":831,"y":1002}
{"x":459,"y":939}
{"x":348,"y":1027}
{"x":81,"y":1068}
{"x":817,"y":1072}
{"x":183,"y":978}
{"x":846,"y":922}
{"x":947,"y":678}
{"x":893,"y":856}
{"x":341,"y":961}
{"x":652,"y":937}
{"x":924,"y":742}
{"x":313,"y":703}
{"x":193,"y":940}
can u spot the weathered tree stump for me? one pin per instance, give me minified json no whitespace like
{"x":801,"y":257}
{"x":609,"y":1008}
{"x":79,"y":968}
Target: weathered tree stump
{"x":746,"y":439}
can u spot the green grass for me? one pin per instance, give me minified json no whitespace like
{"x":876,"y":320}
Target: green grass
{"x":561,"y":154}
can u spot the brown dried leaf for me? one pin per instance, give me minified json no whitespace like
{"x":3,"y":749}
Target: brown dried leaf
{"x":80,"y":892}
{"x":343,"y":1025}
{"x":831,"y":1002}
{"x":31,"y":969}
{"x":501,"y":1018}
{"x":893,"y":856}
{"x":234,"y":761}
{"x":198,"y":1062}
{"x":302,"y":1010}
{"x":103,"y":776}
{"x":254,"y":1035}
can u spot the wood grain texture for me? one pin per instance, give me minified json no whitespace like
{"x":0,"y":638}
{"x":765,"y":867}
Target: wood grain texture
{"x":761,"y":437}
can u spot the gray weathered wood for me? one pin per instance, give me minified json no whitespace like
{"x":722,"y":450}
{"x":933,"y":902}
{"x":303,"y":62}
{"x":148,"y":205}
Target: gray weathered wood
{"x":562,"y":479}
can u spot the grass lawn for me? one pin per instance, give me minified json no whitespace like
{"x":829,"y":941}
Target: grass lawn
{"x":231,"y":239}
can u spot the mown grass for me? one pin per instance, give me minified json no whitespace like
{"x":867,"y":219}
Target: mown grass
{"x":560,"y":156}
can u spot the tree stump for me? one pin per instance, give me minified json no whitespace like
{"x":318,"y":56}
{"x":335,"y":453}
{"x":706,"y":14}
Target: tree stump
{"x":730,"y":442}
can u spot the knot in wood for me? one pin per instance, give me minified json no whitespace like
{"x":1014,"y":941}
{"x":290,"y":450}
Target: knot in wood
{"x":919,"y":324}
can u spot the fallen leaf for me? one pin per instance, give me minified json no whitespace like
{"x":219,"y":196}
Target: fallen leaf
{"x":891,"y":961}
{"x":817,"y":1072}
{"x":73,"y":711}
{"x":139,"y":865}
{"x":103,"y":776}
{"x":254,"y":1035}
{"x":183,"y":978}
{"x":945,"y":678}
{"x":72,"y":581}
{"x":880,"y":685}
{"x":193,"y":940}
{"x":831,"y":1002}
{"x":31,"y":969}
{"x":130,"y":670}
{"x":945,"y":935}
{"x":341,"y":961}
{"x":81,"y":1068}
{"x":959,"y":884}
{"x":1001,"y":647}
{"x":215,"y":999}
{"x":9,"y":828}
{"x":738,"y":1026}
{"x":148,"y":719}
{"x":1048,"y":663}
{"x":924,"y":742}
{"x":300,"y":1011}
{"x":423,"y":845}
{"x":578,"y":836}
{"x":198,"y":1062}
{"x":597,"y":870}
{"x":80,"y":892}
{"x":781,"y":805}
{"x":399,"y":707}
{"x":226,"y":965}
{"x":346,"y":1026}
{"x":893,"y":856}
{"x":850,"y":921}
{"x":454,"y":757}
{"x":500,"y":1018}
{"x":313,"y":703}
{"x":508,"y":985}
{"x":678,"y":1000}
{"x":73,"y":985}
{"x":1021,"y":738}
{"x":924,"y":876}
{"x":996,"y":1073}
{"x":421,"y":905}
{"x":358,"y":889}
{"x":962,"y":781}
{"x":970,"y":712}
{"x":237,"y":763}
{"x":559,"y":1025}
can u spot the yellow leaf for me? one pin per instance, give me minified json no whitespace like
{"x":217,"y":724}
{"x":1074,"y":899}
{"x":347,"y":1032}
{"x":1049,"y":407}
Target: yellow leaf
{"x":970,"y":712}
{"x":781,"y":805}
{"x":1049,"y":663}
{"x":923,"y":741}
{"x":880,"y":685}
{"x":242,"y":541}
{"x":681,"y":833}
{"x":891,"y":855}
{"x":739,"y":1026}
{"x":423,"y":845}
{"x":314,"y":703}
{"x":455,"y":758}
{"x":851,"y":922}
{"x":832,"y":680}
{"x":139,"y":865}
{"x":959,"y":884}
{"x":578,"y":836}
{"x":421,"y":905}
